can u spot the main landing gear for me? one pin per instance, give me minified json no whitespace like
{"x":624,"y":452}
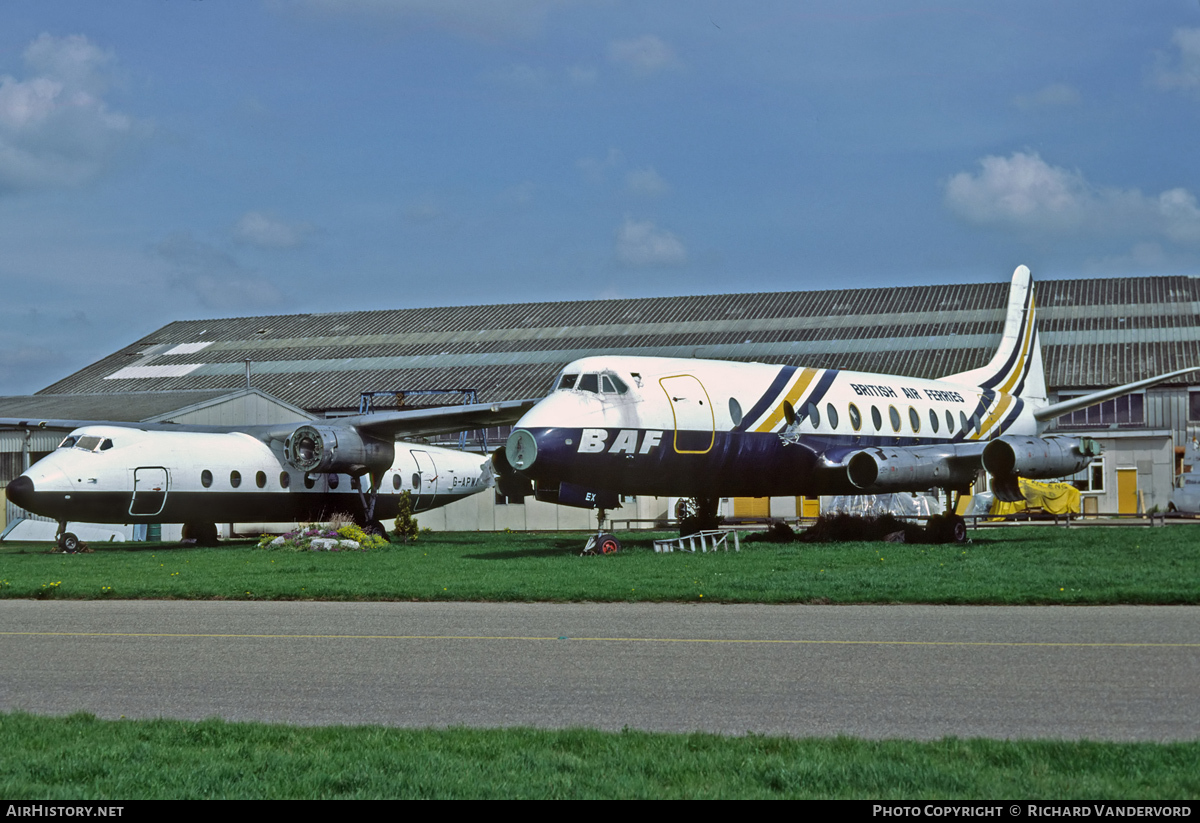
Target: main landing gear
{"x":697,"y":514}
{"x":949,"y":527}
{"x":366,"y":519}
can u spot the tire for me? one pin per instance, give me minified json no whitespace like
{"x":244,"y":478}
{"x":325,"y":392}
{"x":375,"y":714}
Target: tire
{"x":68,"y":542}
{"x":607,"y":544}
{"x":205,"y":534}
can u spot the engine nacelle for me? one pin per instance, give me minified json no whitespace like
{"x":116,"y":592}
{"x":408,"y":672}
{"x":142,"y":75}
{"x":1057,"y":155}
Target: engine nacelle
{"x":1039,"y":458}
{"x":508,"y":482}
{"x":319,"y":449}
{"x":887,"y":470}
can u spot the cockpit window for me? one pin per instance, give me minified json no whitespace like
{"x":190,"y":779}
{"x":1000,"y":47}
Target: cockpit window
{"x":617,"y":382}
{"x":589,"y":382}
{"x":567,"y":381}
{"x":67,"y":443}
{"x":106,"y":445}
{"x":88,"y":442}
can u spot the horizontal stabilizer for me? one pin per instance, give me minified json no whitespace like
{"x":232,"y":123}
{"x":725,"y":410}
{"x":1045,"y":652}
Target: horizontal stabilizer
{"x":1076,"y":403}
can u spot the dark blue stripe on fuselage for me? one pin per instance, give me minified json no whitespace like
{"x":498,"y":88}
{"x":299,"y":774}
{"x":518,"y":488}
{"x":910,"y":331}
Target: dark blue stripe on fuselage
{"x":741,"y":464}
{"x":768,"y":399}
{"x":818,"y":394}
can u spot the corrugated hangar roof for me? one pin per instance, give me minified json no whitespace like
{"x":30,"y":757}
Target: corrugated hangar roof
{"x":1094,"y":333}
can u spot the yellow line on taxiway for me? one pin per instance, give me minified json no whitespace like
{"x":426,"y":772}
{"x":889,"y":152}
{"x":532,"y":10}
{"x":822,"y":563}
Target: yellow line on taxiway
{"x":798,"y":642}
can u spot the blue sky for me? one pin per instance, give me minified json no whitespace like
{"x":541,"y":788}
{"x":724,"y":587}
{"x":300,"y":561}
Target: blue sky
{"x":180,"y":159}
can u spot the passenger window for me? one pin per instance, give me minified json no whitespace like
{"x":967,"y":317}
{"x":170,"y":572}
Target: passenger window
{"x":735,"y":412}
{"x":949,"y":422}
{"x":832,"y":414}
{"x":894,"y":417}
{"x":260,"y":480}
{"x":813,"y":414}
{"x":285,"y":480}
{"x":966,"y":426}
{"x":333,"y":481}
{"x":933,"y":421}
{"x":206,"y":479}
{"x":914,"y":419}
{"x":395,"y":482}
{"x":855,"y":417}
{"x":876,"y":418}
{"x":235,"y":479}
{"x":309,"y":481}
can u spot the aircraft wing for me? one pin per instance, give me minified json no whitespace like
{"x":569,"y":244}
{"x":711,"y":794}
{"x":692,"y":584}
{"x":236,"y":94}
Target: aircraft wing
{"x":416,"y":422}
{"x":422,"y":422}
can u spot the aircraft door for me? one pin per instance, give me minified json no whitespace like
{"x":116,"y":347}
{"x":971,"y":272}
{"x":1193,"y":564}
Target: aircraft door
{"x":149,"y":491}
{"x":425,"y":480}
{"x":695,"y":425}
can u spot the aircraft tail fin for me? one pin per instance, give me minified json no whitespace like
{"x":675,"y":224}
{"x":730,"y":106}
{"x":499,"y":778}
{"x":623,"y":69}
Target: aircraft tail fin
{"x":1016,"y":368}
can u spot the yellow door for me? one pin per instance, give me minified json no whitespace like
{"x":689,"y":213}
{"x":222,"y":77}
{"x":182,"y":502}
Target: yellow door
{"x":808,"y":507}
{"x":751,"y":507}
{"x":1127,"y":491}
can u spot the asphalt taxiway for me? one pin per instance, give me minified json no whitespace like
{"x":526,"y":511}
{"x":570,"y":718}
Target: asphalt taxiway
{"x":1104,"y":673}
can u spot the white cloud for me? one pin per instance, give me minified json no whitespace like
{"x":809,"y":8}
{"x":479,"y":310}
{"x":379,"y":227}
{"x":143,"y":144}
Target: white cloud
{"x":643,"y":55}
{"x":1181,"y":70}
{"x":644,"y":244}
{"x":55,"y":128}
{"x":269,"y":232}
{"x":1056,"y":95}
{"x":647,"y":183}
{"x":1026,"y":193}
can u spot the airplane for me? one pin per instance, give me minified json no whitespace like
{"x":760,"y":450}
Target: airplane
{"x":118,"y":472}
{"x":708,"y":429}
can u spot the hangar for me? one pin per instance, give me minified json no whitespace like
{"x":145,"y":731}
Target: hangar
{"x":1095,"y":333}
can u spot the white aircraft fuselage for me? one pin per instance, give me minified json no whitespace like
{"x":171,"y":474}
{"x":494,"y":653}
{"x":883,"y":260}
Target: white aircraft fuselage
{"x":116,"y":474}
{"x":710,"y":428}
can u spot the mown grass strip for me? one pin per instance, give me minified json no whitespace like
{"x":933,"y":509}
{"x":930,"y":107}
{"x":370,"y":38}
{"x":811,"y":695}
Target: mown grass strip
{"x":83,"y":758}
{"x":1034,"y":565}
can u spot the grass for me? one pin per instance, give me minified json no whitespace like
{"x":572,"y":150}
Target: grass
{"x":82,"y":758}
{"x":1032,"y":565}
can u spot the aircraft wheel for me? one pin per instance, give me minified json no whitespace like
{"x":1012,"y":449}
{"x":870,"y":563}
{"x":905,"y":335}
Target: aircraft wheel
{"x":956,"y":529}
{"x":205,"y":534}
{"x":376,"y":528}
{"x":607,"y":544}
{"x":68,"y":542}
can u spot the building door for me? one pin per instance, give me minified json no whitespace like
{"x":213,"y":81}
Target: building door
{"x":751,"y":507}
{"x":1127,"y":489}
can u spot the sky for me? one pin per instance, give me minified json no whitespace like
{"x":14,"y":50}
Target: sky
{"x":168,"y":160}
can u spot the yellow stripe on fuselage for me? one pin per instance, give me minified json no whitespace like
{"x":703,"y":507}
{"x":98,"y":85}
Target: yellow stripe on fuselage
{"x":997,"y":414}
{"x":793,"y":397}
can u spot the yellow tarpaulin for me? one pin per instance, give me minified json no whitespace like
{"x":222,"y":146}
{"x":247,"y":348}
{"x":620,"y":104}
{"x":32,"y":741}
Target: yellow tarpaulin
{"x":1052,"y":498}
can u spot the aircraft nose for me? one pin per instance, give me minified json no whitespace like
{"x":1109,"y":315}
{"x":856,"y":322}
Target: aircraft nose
{"x":20,"y":491}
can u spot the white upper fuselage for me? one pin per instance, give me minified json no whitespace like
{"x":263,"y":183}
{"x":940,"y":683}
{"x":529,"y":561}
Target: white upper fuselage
{"x":666,"y":394}
{"x":112,"y":474}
